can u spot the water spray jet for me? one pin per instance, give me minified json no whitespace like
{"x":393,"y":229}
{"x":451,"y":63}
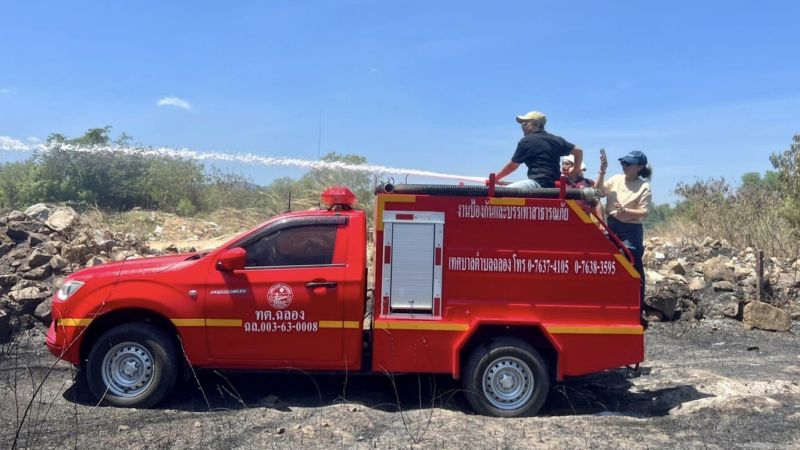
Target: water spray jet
{"x":15,"y":145}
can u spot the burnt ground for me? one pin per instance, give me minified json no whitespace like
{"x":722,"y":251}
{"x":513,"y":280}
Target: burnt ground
{"x":708,"y":384}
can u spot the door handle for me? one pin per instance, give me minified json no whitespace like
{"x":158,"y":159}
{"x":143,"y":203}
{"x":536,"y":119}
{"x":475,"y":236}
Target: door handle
{"x":316,"y":284}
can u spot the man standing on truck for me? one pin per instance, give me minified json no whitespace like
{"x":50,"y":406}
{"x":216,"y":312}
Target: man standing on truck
{"x":540,"y":151}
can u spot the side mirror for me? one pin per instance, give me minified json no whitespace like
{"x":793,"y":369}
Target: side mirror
{"x":232,"y":259}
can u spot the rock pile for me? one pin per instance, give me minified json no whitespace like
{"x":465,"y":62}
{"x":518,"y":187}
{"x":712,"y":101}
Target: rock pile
{"x":42,"y":245}
{"x":38,"y":248}
{"x":712,"y":280}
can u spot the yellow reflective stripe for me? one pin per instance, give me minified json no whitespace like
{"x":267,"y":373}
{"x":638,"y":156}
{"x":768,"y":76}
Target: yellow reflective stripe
{"x":578,"y":210}
{"x":189,"y":322}
{"x":507,"y":201}
{"x":238,"y":323}
{"x":435,"y":326}
{"x":339,"y":324}
{"x":627,"y":265}
{"x":597,"y":330}
{"x":223,"y":322}
{"x":207,"y":322}
{"x":73,"y":322}
{"x":396,"y":198}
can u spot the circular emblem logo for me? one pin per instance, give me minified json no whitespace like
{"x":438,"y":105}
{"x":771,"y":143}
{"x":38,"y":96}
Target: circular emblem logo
{"x":280,"y":296}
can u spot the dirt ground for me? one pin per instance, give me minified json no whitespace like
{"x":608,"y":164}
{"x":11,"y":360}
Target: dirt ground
{"x":704,"y":385}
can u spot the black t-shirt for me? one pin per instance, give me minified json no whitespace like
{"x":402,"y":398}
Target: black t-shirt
{"x":541,"y":151}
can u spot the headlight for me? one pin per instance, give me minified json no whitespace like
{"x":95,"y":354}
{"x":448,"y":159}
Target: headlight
{"x":68,"y":289}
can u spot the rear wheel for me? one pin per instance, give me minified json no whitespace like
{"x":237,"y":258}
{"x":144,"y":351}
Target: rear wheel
{"x":506,"y":378}
{"x":133,"y":365}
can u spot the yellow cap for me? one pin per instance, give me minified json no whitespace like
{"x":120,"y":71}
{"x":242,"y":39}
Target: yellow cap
{"x":533,"y":115}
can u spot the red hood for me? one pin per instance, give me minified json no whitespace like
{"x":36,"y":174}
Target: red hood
{"x":138,"y":266}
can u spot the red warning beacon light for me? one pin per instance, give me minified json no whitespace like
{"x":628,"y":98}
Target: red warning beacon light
{"x":338,"y":197}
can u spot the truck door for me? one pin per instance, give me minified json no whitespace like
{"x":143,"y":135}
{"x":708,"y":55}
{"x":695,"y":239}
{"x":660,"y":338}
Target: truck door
{"x":284,"y":307}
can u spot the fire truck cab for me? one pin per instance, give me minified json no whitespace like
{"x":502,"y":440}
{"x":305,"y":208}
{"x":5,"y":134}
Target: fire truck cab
{"x":503,"y":290}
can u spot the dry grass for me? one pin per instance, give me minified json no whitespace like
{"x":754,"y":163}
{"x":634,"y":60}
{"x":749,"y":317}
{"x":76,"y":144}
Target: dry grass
{"x":220,"y":223}
{"x":748,"y":216}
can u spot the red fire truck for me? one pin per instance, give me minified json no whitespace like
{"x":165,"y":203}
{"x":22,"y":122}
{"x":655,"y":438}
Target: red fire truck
{"x":502,"y":289}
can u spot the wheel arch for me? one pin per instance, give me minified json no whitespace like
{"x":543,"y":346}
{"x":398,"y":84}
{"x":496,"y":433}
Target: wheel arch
{"x":122,"y":316}
{"x":531,"y":333}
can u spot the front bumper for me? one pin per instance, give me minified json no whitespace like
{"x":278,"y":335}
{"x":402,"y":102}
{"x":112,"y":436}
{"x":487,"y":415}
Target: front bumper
{"x":57,"y":341}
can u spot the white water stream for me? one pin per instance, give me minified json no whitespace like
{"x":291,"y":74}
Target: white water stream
{"x":15,"y":145}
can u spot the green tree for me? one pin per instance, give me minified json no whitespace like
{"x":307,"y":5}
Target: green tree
{"x":316,"y":181}
{"x":19,"y":184}
{"x":787,"y":164}
{"x":167,"y":181}
{"x":770,"y":180}
{"x":119,"y":180}
{"x":659,"y":213}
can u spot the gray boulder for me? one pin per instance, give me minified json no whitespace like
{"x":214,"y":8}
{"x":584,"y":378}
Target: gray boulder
{"x":62,"y":219}
{"x":717,"y":269}
{"x":27,"y":298}
{"x":8,"y":279}
{"x":38,"y":273}
{"x":74,"y":253}
{"x":766,"y":317}
{"x":17,"y":234}
{"x":742,"y":273}
{"x":676,"y":267}
{"x":43,"y":312}
{"x":5,"y":326}
{"x":794,"y":310}
{"x":723,"y":286}
{"x":20,"y":294}
{"x":35,"y":239}
{"x":95,"y":261}
{"x":5,"y":247}
{"x":16,"y":216}
{"x":58,"y":263}
{"x":38,"y":258}
{"x":40,"y":211}
{"x":665,"y":296}
{"x":690,"y":310}
{"x":734,"y":310}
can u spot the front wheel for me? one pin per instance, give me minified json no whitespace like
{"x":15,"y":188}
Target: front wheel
{"x":506,"y":378}
{"x":133,"y":365}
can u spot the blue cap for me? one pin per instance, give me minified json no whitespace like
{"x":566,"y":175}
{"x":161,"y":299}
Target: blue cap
{"x":635,"y":158}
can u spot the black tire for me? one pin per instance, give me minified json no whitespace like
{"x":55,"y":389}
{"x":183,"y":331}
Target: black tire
{"x":132,"y":365}
{"x":510,"y":361}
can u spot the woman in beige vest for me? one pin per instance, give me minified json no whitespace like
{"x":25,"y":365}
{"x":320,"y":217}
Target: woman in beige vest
{"x":628,"y":204}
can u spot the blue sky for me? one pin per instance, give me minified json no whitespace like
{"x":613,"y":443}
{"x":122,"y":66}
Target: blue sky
{"x":706,"y":89}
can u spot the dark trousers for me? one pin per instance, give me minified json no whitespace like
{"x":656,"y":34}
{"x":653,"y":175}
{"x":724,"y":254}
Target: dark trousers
{"x":632,"y":235}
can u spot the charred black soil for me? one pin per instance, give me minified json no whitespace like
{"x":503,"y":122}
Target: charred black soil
{"x":708,"y":384}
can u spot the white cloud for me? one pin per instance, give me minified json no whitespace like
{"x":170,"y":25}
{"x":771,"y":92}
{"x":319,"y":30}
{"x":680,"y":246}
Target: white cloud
{"x":5,"y":91}
{"x":34,"y":139}
{"x":373,"y":70}
{"x":9,"y":143}
{"x":175,"y":101}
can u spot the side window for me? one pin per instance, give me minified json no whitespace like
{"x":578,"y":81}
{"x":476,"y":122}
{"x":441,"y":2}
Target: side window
{"x":304,"y":245}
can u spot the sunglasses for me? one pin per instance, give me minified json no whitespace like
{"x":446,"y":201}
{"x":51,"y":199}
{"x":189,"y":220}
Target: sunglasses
{"x":625,"y":164}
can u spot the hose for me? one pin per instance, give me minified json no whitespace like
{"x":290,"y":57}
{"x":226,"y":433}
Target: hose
{"x":585,"y":194}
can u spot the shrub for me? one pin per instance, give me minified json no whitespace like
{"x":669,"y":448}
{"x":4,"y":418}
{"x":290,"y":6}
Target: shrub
{"x":118,"y":181}
{"x":746,"y":216}
{"x":186,"y":208}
